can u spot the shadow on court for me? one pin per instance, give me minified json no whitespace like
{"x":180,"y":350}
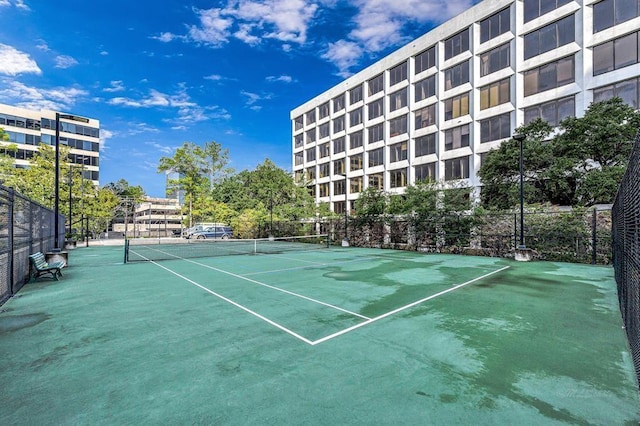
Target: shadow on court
{"x":342,"y":336}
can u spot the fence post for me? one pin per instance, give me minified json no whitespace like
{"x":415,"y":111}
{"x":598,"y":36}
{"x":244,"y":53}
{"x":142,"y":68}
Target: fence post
{"x":11,"y":253}
{"x":594,"y":239}
{"x":515,"y":231}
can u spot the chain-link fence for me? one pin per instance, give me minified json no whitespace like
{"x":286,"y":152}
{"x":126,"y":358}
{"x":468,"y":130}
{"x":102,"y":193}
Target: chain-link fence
{"x":626,"y":251}
{"x":26,"y":227}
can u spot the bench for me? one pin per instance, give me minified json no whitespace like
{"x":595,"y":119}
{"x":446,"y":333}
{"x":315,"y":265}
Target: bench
{"x":40,"y":266}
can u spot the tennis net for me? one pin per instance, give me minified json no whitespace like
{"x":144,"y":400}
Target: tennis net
{"x":144,"y":249}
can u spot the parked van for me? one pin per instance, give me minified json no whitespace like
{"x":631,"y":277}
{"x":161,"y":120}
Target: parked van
{"x":217,"y":231}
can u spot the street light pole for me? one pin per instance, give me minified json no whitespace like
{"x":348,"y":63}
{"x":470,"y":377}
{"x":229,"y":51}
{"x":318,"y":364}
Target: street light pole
{"x":520,"y":138}
{"x":56,"y":209}
{"x":346,"y":210}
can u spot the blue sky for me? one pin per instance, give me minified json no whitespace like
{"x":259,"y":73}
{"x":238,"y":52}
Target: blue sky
{"x":159,"y":73}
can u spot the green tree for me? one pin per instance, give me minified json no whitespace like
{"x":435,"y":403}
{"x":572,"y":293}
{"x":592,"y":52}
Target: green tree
{"x":199,"y":168}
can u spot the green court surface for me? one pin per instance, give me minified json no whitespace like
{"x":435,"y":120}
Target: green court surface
{"x":337,"y":336}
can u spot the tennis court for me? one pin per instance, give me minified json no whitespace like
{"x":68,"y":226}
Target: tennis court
{"x":335,"y":335}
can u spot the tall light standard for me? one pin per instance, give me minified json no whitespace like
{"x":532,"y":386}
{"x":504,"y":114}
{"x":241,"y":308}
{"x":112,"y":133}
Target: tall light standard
{"x":345,"y":241}
{"x":56,"y":208}
{"x":520,"y":138}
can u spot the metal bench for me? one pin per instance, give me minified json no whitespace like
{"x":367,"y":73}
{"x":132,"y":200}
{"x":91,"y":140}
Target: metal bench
{"x":40,"y":266}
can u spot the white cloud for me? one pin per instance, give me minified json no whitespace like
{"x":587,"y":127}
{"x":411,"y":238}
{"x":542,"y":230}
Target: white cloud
{"x":42,"y":45}
{"x":281,"y":79}
{"x":254,"y":98}
{"x":165,"y":149}
{"x":104,"y":53}
{"x":57,"y":98}
{"x":20,"y":4}
{"x":344,"y":55}
{"x":4,"y":3}
{"x":105,"y":135}
{"x":116,"y":86}
{"x":213,"y":29}
{"x":379,"y":25}
{"x":14,"y":62}
{"x":64,"y":62}
{"x":213,"y":77}
{"x":165,"y":37}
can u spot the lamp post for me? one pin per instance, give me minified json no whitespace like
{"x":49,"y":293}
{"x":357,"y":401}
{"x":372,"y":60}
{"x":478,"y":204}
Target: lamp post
{"x":56,"y":203}
{"x":345,"y":241}
{"x":520,"y":138}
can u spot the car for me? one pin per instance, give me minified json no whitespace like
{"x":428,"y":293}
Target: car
{"x":224,"y":232}
{"x":188,"y":232}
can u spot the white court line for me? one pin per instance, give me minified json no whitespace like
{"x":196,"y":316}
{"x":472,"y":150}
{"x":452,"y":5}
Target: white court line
{"x":305,"y":267}
{"x":263,"y":318}
{"x":267,"y":285}
{"x":279,"y":289}
{"x":395,"y":311}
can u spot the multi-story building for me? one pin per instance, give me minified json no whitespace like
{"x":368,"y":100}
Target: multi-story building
{"x":434,"y":108}
{"x":28,"y":129}
{"x":158,"y":217}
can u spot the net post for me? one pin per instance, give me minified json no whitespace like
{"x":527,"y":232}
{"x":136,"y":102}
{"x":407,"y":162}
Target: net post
{"x":126,"y":250}
{"x":326,"y":241}
{"x":594,"y":235}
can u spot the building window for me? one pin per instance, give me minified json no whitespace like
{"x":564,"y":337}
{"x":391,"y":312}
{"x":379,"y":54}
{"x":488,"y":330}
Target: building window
{"x":311,"y":154}
{"x":355,"y":95}
{"x":299,"y":176}
{"x":495,"y":25}
{"x":324,"y":130}
{"x":323,"y":189}
{"x":456,"y":107}
{"x":376,"y":157}
{"x":549,"y":37}
{"x":376,"y":180}
{"x":338,"y":189}
{"x":425,"y":117}
{"x":398,"y":126}
{"x":549,"y":76}
{"x":376,"y":133}
{"x":376,"y":108}
{"x":311,"y":117}
{"x":398,"y":178}
{"x":355,"y":162}
{"x":425,"y":88}
{"x":552,"y":112}
{"x":425,"y":60}
{"x":398,"y":152}
{"x":339,"y":167}
{"x":355,"y":140}
{"x":311,"y":173}
{"x":425,"y":145}
{"x":376,"y":84}
{"x":615,"y":54}
{"x":355,"y":185}
{"x":398,"y":74}
{"x":324,"y":150}
{"x":323,"y":110}
{"x":324,"y":170}
{"x":495,"y":128}
{"x":456,"y":168}
{"x":338,"y":206}
{"x":355,"y":117}
{"x":608,"y":13}
{"x":626,"y":90}
{"x":299,"y":140}
{"x":311,"y":135}
{"x":338,"y":145}
{"x":456,"y":44}
{"x":536,"y":8}
{"x":338,"y":124}
{"x":494,"y":94}
{"x":312,"y":190}
{"x":425,"y":172}
{"x":398,"y":100}
{"x":298,"y":123}
{"x":456,"y":75}
{"x":299,"y":158}
{"x":455,"y":138}
{"x":495,"y":60}
{"x":338,"y":103}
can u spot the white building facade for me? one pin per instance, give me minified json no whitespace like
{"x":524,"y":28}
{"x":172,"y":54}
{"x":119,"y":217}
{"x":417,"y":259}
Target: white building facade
{"x":27,"y":129}
{"x":432,"y":109}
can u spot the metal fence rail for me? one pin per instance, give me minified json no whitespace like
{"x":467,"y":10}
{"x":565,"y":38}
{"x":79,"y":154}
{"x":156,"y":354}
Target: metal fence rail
{"x":626,"y":251}
{"x":26,"y":227}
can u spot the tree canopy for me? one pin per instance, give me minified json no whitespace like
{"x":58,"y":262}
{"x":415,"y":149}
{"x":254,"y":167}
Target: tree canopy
{"x":579,"y":164}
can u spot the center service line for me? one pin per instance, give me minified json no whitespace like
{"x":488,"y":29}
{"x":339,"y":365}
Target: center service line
{"x":395,"y":311}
